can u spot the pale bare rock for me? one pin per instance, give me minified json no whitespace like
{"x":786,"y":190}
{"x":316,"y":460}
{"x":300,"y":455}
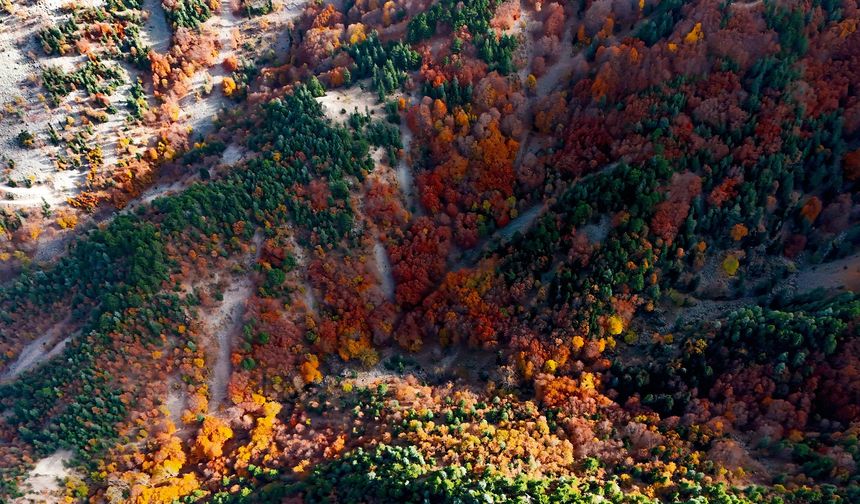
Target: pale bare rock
{"x":842,"y":274}
{"x":404,"y":172}
{"x":704,"y":309}
{"x":282,"y":20}
{"x":232,"y":154}
{"x":383,"y":265}
{"x":36,"y":352}
{"x":227,"y":22}
{"x":66,"y":63}
{"x":53,"y":190}
{"x":733,"y":455}
{"x":108,"y":133}
{"x":199,"y":110}
{"x":32,"y":169}
{"x":44,"y":479}
{"x":156,"y":33}
{"x":354,"y":99}
{"x":525,"y":45}
{"x":16,"y":32}
{"x":19,"y":91}
{"x":558,"y":73}
{"x":54,"y":5}
{"x":561,"y":70}
{"x":288,"y":9}
{"x":338,"y":104}
{"x":225,"y":323}
{"x":309,"y":298}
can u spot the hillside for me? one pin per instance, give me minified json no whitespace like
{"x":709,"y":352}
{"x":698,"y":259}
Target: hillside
{"x":430,"y":251}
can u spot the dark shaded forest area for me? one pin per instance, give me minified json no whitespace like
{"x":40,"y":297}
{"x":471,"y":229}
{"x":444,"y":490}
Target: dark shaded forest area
{"x":473,"y":251}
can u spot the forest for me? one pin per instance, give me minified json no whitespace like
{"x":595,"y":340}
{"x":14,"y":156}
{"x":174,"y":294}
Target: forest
{"x":435,"y":251}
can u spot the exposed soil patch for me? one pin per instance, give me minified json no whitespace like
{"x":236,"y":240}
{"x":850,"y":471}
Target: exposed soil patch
{"x":44,"y":479}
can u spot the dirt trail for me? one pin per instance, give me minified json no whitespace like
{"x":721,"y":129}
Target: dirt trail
{"x":841,"y":273}
{"x":307,"y":292}
{"x":557,"y":73}
{"x":225,"y":323}
{"x":522,"y":223}
{"x":226,"y":23}
{"x":41,"y":349}
{"x":384,"y":267}
{"x":404,"y":173}
{"x":233,"y":154}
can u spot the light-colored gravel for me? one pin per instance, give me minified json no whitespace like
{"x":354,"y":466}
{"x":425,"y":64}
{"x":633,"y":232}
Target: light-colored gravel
{"x":43,"y":480}
{"x":39,"y":350}
{"x":383,"y":265}
{"x":225,"y":323}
